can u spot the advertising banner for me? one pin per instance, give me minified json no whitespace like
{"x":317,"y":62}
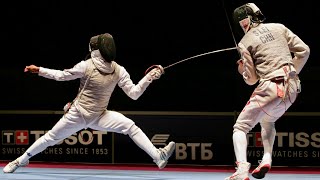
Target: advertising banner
{"x":200,"y":140}
{"x":20,"y":131}
{"x":297,"y":142}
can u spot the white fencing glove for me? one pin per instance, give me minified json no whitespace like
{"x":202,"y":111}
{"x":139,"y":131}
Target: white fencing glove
{"x":156,"y":72}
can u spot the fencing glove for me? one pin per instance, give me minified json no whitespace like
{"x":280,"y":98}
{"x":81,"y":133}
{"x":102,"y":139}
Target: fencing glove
{"x":156,"y":72}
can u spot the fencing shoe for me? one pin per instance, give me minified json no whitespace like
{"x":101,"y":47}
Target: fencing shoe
{"x":242,"y":172}
{"x":165,"y":154}
{"x":261,"y":171}
{"x":14,"y":165}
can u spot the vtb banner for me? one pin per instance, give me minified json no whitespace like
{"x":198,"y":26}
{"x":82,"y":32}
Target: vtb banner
{"x":200,"y":139}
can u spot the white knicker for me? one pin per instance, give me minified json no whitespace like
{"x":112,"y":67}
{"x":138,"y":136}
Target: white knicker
{"x":268,"y":102}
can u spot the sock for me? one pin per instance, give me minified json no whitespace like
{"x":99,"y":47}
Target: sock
{"x":38,"y":146}
{"x":141,"y":140}
{"x":240,"y":145}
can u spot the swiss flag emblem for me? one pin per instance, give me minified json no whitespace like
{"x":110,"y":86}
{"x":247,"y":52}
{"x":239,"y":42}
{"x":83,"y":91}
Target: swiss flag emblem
{"x":22,"y":137}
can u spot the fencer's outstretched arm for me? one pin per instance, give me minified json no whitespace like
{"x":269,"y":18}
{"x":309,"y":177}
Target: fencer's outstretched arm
{"x":68,"y":74}
{"x":135,"y":91}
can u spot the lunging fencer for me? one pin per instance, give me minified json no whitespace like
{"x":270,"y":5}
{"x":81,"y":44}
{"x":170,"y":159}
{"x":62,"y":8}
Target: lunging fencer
{"x":99,"y":75}
{"x":273,"y":56}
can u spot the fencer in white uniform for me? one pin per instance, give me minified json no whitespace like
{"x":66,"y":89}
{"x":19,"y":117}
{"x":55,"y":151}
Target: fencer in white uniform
{"x":266,"y":50}
{"x":99,"y":75}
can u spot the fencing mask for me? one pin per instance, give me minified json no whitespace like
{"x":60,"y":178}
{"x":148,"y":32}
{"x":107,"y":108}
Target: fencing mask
{"x":105,"y":44}
{"x":245,"y":15}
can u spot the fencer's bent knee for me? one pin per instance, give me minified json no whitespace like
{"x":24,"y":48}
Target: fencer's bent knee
{"x":267,"y":125}
{"x":124,"y":125}
{"x":246,"y":128}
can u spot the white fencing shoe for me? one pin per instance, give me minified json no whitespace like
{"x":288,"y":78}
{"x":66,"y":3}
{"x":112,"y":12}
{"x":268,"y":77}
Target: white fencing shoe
{"x":242,"y":172}
{"x":14,"y":165}
{"x":165,"y":154}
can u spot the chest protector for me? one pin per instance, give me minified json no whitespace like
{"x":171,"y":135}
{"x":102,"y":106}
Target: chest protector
{"x":95,"y":90}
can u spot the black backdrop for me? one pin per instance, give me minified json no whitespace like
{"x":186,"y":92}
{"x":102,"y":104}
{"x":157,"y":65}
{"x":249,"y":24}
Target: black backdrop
{"x":55,"y":34}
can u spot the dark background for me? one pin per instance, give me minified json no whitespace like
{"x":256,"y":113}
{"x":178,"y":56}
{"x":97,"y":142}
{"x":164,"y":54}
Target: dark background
{"x":55,"y":34}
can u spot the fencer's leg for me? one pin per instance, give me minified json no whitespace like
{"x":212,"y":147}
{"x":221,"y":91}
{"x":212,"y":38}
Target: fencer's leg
{"x":113,"y":121}
{"x":38,"y":146}
{"x":141,"y":140}
{"x":245,"y":122}
{"x":268,"y":133}
{"x":240,"y":145}
{"x":240,"y":149}
{"x":262,"y":101}
{"x":160,"y":156}
{"x":65,"y":127}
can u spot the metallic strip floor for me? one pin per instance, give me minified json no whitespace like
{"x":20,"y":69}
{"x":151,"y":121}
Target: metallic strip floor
{"x":35,"y":173}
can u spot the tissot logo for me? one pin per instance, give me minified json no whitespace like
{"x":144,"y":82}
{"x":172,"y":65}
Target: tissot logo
{"x":288,"y":139}
{"x":22,"y":137}
{"x":19,"y":137}
{"x":26,"y":137}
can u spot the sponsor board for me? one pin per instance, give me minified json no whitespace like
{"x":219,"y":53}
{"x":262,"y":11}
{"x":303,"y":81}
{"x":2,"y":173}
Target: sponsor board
{"x":200,"y":140}
{"x":297,"y":142}
{"x":84,"y":146}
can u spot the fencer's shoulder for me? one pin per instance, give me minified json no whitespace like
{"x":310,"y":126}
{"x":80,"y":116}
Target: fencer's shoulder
{"x":81,"y":64}
{"x":86,"y":61}
{"x":278,"y":27}
{"x":275,"y":25}
{"x":117,"y":66}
